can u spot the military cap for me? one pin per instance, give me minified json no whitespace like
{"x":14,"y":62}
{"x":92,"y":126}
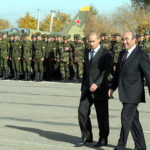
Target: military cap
{"x":24,"y":35}
{"x":49,"y":35}
{"x":75,"y":35}
{"x":65,"y":37}
{"x":79,"y":37}
{"x":86,"y":37}
{"x":113,"y":34}
{"x":117,"y":34}
{"x":4,"y":33}
{"x":105,"y":34}
{"x":11,"y":35}
{"x":15,"y":34}
{"x":44,"y":35}
{"x":59,"y":35}
{"x":33,"y":35}
{"x":54,"y":36}
{"x":146,"y":33}
{"x":38,"y":34}
{"x":141,"y":34}
{"x":102,"y":34}
{"x":137,"y":35}
{"x":69,"y":36}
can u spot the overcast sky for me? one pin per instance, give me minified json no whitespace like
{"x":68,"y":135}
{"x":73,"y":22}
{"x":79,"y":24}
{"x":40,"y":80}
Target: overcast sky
{"x":12,"y":10}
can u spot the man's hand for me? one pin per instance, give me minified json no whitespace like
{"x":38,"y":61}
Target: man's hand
{"x":93,"y":87}
{"x":19,"y":58}
{"x":110,"y":93}
{"x":42,"y":59}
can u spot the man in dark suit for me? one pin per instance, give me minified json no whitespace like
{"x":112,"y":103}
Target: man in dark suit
{"x":97,"y":66}
{"x":133,"y":65}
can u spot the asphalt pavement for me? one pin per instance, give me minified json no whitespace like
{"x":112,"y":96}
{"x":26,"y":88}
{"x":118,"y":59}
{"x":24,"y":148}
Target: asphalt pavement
{"x":44,"y":116}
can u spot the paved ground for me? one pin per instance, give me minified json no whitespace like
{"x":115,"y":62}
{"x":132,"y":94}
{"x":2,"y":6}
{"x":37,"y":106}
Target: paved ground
{"x":43,"y":116}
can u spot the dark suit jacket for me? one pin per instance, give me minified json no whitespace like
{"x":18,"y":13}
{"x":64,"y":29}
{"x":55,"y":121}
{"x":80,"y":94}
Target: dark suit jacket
{"x":130,"y":78}
{"x":97,"y":72}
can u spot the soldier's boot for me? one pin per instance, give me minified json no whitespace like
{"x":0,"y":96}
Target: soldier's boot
{"x":26,"y":76}
{"x":62,"y":78}
{"x":6,"y":74}
{"x":3,"y":76}
{"x":41,"y":76}
{"x":66,"y":79}
{"x":15,"y":75}
{"x":29,"y":76}
{"x":37,"y":75}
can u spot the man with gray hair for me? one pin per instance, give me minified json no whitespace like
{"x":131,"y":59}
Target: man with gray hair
{"x":132,"y":66}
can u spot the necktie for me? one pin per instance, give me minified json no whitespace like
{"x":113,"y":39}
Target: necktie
{"x":124,"y":58}
{"x":91,"y":55}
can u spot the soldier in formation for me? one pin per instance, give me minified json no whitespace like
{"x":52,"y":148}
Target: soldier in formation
{"x":4,"y":55}
{"x":54,"y":56}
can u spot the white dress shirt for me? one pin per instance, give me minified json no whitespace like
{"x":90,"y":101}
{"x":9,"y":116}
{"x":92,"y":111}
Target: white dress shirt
{"x":130,"y":50}
{"x":95,"y":51}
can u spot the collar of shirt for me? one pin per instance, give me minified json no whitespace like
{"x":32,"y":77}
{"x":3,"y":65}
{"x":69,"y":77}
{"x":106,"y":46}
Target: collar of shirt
{"x":95,"y":50}
{"x":131,"y":50}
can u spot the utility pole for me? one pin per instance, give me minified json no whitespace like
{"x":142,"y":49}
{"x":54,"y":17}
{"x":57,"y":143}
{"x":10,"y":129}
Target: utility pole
{"x":51,"y":23}
{"x":38,"y":20}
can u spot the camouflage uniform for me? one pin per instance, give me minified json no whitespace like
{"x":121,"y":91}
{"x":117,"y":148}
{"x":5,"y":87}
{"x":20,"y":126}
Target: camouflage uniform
{"x":48,"y":58}
{"x":38,"y":58}
{"x":64,"y":50}
{"x":78,"y":57}
{"x":141,"y":41}
{"x":117,"y":48}
{"x":16,"y":56}
{"x":11,"y":39}
{"x":0,"y":55}
{"x":106,"y":43}
{"x":33,"y":37}
{"x":4,"y":50}
{"x":55,"y":57}
{"x":146,"y":45}
{"x":27,"y":57}
{"x":86,"y":43}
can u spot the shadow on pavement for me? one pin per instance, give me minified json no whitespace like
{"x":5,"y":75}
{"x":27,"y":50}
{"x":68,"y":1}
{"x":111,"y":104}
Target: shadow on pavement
{"x":57,"y":136}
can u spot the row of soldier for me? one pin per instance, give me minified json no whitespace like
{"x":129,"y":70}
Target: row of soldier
{"x":53,"y":57}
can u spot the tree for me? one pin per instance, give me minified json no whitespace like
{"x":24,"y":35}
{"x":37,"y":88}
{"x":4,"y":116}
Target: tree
{"x":141,"y":3}
{"x":4,"y":24}
{"x":27,"y":22}
{"x":97,"y":22}
{"x":60,"y":21}
{"x":128,"y":18}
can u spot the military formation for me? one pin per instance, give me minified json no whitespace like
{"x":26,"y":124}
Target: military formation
{"x":53,"y":57}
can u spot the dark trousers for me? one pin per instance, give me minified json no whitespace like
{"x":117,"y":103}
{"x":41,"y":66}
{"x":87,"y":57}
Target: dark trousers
{"x":130,"y":122}
{"x":84,"y":110}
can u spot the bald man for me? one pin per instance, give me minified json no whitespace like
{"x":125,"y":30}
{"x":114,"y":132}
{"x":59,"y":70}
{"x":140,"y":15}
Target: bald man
{"x":133,"y":65}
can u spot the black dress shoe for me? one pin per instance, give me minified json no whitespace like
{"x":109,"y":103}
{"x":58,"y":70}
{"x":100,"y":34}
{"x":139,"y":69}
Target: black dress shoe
{"x":84,"y":141}
{"x":119,"y":148}
{"x":101,"y":142}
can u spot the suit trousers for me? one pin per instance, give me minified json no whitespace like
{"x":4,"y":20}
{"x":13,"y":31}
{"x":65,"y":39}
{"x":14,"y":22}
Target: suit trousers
{"x":130,"y":122}
{"x":84,"y":110}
